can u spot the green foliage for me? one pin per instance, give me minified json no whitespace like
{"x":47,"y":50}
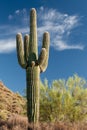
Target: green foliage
{"x":64,"y":100}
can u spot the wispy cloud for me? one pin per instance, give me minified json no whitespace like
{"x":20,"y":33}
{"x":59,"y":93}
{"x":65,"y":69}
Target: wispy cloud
{"x":59,"y":25}
{"x":62,"y":45}
{"x":7,"y":45}
{"x":19,"y":16}
{"x":17,"y":12}
{"x":18,"y":23}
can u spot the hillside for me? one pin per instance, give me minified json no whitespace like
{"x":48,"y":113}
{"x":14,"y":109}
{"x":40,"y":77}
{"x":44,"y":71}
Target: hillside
{"x":10,"y":103}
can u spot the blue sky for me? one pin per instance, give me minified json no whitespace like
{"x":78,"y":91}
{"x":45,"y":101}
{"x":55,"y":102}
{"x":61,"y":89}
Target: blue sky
{"x":65,"y":20}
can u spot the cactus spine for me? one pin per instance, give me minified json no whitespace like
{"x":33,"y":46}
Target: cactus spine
{"x":27,"y":53}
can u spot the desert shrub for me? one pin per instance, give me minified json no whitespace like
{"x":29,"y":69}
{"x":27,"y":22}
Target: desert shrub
{"x":64,"y":100}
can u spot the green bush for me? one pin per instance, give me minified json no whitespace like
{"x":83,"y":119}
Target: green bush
{"x":64,"y":100}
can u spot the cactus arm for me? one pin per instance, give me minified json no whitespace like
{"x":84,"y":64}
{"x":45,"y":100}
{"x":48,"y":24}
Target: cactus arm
{"x":41,"y":58}
{"x":46,"y":42}
{"x":20,"y":50}
{"x":26,"y":47}
{"x":33,"y":49}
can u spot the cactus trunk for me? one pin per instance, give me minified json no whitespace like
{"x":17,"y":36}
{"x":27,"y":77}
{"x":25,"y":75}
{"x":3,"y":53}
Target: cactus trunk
{"x":28,"y":59}
{"x":33,"y":88}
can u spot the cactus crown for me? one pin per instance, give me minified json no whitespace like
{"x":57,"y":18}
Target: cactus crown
{"x":27,"y":51}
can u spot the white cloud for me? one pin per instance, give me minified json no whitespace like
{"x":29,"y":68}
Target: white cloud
{"x":41,"y":8}
{"x":17,"y":12}
{"x":7,"y":45}
{"x":19,"y":16}
{"x":61,"y":45}
{"x":11,"y":31}
{"x":23,"y":11}
{"x":59,"y":25}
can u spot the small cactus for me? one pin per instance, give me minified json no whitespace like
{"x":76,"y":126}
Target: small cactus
{"x":27,"y":53}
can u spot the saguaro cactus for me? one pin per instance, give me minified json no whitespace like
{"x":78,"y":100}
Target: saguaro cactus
{"x":28,"y":59}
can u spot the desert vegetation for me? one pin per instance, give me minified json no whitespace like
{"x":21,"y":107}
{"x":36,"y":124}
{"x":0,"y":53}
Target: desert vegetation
{"x":20,"y":123}
{"x":10,"y":103}
{"x":63,"y":106}
{"x":27,"y":53}
{"x":64,"y":100}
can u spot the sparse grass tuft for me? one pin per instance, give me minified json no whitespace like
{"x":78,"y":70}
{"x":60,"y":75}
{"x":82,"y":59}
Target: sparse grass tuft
{"x":16,"y":122}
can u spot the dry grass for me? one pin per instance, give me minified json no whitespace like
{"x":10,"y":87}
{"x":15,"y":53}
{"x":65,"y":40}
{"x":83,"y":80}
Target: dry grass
{"x":16,"y":122}
{"x":13,"y":103}
{"x":10,"y":102}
